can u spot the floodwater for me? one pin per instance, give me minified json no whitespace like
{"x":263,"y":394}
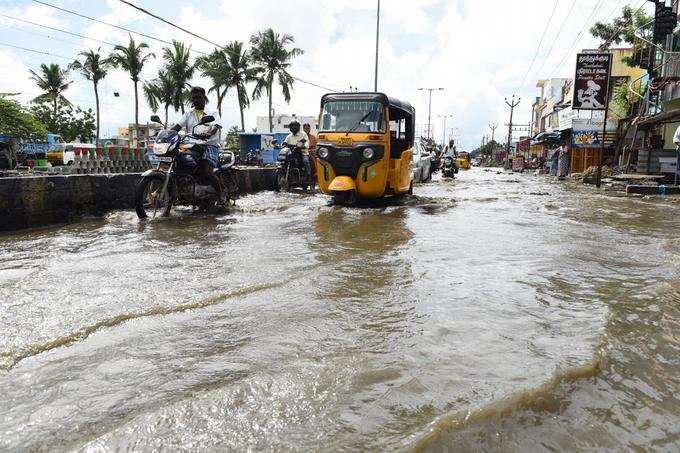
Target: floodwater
{"x":496,"y":312}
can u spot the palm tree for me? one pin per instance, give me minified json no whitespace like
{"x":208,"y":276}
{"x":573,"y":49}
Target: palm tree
{"x":178,"y":65}
{"x":52,"y":80}
{"x":270,"y":52}
{"x":131,"y":58}
{"x":213,"y":67}
{"x":93,"y":68}
{"x":160,"y":91}
{"x":240,"y":72}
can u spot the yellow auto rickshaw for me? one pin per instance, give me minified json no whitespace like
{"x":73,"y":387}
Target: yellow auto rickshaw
{"x":463,"y":160}
{"x":365,"y":146}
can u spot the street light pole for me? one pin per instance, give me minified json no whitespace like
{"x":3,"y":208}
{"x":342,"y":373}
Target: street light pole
{"x":429,"y":114}
{"x":377,"y":41}
{"x":444,"y":131}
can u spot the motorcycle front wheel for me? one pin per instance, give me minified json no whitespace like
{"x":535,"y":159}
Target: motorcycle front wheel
{"x":148,"y":197}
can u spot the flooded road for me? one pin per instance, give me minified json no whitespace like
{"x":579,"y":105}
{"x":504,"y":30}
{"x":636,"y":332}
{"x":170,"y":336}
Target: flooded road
{"x":495,"y":312}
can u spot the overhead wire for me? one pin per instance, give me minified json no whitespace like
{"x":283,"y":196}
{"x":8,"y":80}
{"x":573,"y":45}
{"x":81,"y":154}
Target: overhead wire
{"x":557,"y":36}
{"x":165,"y":21}
{"x":596,"y":8}
{"x":540,"y":42}
{"x":57,"y":29}
{"x":307,"y":82}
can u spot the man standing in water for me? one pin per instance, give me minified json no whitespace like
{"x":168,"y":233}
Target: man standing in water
{"x":210,"y":158}
{"x":312,"y":145}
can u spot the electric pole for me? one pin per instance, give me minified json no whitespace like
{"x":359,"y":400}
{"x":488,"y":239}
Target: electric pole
{"x":377,"y":41}
{"x":512,"y":104}
{"x":429,"y":114}
{"x":493,"y":128}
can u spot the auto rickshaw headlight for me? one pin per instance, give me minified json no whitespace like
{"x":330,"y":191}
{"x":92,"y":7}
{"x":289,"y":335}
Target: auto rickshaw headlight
{"x":368,"y":153}
{"x":323,"y":153}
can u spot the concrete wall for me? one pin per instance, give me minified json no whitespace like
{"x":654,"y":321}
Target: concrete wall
{"x":33,"y":201}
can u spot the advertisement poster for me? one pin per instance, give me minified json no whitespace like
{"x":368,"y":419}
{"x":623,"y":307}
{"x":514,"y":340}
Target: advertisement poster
{"x":588,"y":133}
{"x":591,"y":82}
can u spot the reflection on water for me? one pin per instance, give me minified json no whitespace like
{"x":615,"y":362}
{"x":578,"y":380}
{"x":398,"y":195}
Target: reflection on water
{"x":486,"y":313}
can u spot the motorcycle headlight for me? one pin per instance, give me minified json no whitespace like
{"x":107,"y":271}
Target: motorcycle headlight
{"x":448,"y":160}
{"x":368,"y":153}
{"x":324,"y":153}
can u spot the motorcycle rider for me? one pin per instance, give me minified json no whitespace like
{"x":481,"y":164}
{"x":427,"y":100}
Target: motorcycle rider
{"x":301,"y":140}
{"x":450,"y":151}
{"x":210,"y":158}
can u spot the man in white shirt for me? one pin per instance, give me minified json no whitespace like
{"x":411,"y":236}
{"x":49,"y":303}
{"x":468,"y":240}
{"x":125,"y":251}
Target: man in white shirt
{"x":300,"y":139}
{"x":676,"y":138}
{"x":209,"y":159}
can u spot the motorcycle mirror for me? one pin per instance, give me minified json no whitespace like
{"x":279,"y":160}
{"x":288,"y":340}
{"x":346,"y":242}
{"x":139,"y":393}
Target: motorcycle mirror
{"x":156,"y":119}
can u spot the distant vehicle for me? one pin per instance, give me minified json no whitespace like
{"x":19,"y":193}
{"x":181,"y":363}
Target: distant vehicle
{"x":39,"y":148}
{"x":422,"y":163}
{"x":464,"y":160}
{"x":67,"y":155}
{"x":291,"y":171}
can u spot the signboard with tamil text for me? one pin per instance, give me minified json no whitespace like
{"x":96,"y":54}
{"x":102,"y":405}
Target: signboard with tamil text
{"x":591,"y":82}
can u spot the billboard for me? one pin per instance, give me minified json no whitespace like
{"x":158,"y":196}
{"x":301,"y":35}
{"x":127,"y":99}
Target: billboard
{"x":588,"y":134}
{"x":591,"y":82}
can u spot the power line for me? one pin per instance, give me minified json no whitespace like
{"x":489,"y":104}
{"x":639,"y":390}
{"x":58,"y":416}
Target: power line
{"x":108,"y":24}
{"x":57,"y":29}
{"x":149,"y":13}
{"x":540,"y":42}
{"x":35,"y":51}
{"x":165,"y":21}
{"x":559,"y":32}
{"x":596,"y":8}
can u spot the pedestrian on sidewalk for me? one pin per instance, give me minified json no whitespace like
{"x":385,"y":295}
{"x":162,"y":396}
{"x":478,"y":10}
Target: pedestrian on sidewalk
{"x":564,"y":162}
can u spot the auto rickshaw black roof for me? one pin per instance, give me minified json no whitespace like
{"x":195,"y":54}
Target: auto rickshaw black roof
{"x":393,"y":103}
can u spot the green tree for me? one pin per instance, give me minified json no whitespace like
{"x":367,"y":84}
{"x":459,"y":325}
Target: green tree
{"x":53,"y":81}
{"x":132,"y":58}
{"x":213,"y":67}
{"x":233,"y":137}
{"x":72,"y":124}
{"x":622,"y":28}
{"x":178,"y":65}
{"x":94,"y":68}
{"x":160,"y":91}
{"x":18,"y":122}
{"x":241,"y":72}
{"x":272,"y":57}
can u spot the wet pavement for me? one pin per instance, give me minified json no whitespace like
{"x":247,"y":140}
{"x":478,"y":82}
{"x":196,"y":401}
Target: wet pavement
{"x":495,"y":312}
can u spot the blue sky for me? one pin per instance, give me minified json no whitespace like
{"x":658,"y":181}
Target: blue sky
{"x":478,"y":51}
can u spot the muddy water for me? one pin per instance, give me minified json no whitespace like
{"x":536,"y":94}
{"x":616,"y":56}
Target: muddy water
{"x":497,"y":312}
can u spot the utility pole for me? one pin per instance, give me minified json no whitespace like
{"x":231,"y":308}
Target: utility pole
{"x":444,"y":131}
{"x":429,"y":114}
{"x":493,"y":128}
{"x":377,"y":42}
{"x":512,"y":104}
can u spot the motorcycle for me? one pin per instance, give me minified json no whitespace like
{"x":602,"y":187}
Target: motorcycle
{"x":291,"y":171}
{"x":176,"y":181}
{"x":449,"y":168}
{"x":252,"y":159}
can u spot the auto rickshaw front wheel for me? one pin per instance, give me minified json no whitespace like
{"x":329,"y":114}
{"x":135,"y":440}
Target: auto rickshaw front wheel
{"x":344,"y":198}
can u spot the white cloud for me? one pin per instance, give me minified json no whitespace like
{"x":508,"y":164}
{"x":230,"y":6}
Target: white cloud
{"x":478,"y":51}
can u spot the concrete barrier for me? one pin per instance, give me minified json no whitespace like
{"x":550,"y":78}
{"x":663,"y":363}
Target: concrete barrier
{"x":34,"y":201}
{"x":653,"y":190}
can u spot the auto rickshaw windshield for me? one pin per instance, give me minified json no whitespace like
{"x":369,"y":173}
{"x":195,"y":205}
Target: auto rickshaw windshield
{"x":352,"y":116}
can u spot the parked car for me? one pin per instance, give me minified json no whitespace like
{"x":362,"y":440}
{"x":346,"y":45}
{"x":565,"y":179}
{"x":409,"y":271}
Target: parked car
{"x":422,"y":164}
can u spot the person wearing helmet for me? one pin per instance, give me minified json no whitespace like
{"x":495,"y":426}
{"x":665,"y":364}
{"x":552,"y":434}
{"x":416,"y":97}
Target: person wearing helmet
{"x":300,"y":139}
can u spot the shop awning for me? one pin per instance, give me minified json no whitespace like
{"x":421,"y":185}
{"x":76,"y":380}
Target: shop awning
{"x":666,"y":117}
{"x":548,"y":137}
